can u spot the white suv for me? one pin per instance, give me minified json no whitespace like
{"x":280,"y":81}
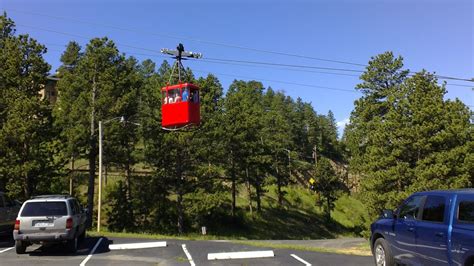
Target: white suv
{"x":50,"y":218}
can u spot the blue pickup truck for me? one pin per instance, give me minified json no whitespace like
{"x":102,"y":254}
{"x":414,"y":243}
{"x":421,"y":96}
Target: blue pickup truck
{"x":428,"y":228}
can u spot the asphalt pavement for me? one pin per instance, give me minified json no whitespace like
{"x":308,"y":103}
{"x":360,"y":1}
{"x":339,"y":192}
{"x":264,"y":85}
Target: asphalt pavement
{"x":118,"y":251}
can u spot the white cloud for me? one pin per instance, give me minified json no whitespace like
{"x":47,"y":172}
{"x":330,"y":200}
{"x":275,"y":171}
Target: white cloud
{"x":341,"y":125}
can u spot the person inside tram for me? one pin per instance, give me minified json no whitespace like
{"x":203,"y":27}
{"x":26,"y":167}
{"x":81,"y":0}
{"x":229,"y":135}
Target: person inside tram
{"x":185,"y":94}
{"x":194,"y":96}
{"x":173,"y":96}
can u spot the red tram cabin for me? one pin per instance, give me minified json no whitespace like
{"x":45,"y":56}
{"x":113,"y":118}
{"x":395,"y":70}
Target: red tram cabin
{"x":180,"y":106}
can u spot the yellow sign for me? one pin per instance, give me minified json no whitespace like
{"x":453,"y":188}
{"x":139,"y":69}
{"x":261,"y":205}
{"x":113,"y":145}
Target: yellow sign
{"x":312,"y":181}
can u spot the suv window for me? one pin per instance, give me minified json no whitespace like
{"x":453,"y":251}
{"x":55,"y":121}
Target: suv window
{"x":433,"y":210}
{"x":409,"y":210}
{"x":466,"y":211}
{"x":50,"y":208}
{"x":73,"y":207}
{"x":77,"y":206}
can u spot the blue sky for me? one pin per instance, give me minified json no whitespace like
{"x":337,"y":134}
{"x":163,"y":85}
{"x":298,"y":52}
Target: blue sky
{"x":436,"y":35}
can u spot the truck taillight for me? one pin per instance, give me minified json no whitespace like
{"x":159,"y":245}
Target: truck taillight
{"x":69,"y":223}
{"x":17,"y":225}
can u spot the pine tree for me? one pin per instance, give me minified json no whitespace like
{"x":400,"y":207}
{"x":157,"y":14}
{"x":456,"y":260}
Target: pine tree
{"x":26,"y":135}
{"x":89,"y":92}
{"x":404,"y":137}
{"x":243,"y":111}
{"x":277,"y":140}
{"x":327,"y":183}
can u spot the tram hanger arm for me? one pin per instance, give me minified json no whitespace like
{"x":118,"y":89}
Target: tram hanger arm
{"x":183,"y":53}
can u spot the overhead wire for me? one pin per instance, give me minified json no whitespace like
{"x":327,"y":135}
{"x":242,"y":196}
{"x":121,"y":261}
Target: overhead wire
{"x":87,"y":38}
{"x":260,"y":79}
{"x":237,"y":62}
{"x":270,"y":80}
{"x":284,"y":65}
{"x":224,"y":62}
{"x":189,"y":39}
{"x":279,"y":81}
{"x":213,"y":43}
{"x":209,"y":42}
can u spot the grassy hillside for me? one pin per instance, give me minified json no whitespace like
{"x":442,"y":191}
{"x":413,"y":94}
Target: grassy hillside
{"x":299,"y":218}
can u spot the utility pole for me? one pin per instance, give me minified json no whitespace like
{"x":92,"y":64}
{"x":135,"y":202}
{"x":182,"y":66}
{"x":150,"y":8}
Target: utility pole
{"x":315,"y":156}
{"x":99,"y":200}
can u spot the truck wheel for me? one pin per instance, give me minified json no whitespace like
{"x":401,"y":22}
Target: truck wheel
{"x":469,"y":262}
{"x":20,"y":247}
{"x":382,"y":254}
{"x":72,"y":245}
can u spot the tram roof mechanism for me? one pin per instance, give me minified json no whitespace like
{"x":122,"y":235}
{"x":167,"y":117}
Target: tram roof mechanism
{"x":180,"y":54}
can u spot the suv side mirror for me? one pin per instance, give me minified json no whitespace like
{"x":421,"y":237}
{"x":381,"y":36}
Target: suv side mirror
{"x":388,"y":214}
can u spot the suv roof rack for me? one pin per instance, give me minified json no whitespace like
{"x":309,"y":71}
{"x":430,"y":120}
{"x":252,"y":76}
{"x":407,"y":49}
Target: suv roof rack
{"x":60,"y":196}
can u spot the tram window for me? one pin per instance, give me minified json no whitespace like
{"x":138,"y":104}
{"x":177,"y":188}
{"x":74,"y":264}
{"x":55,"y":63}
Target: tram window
{"x":174,"y":96}
{"x":164,"y":98}
{"x":195,"y":96}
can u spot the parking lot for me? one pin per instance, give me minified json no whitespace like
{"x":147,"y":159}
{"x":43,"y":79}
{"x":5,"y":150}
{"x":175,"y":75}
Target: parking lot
{"x":118,"y":251}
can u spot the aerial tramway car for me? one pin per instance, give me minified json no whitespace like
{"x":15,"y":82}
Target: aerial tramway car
{"x":180,"y":107}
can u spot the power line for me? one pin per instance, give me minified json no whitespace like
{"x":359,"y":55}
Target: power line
{"x":214,"y":43}
{"x":284,"y":65}
{"x":88,"y":38}
{"x":214,"y":61}
{"x":279,"y":68}
{"x":236,"y":61}
{"x":264,"y":66}
{"x":169,"y":36}
{"x":459,"y":85}
{"x":278,"y":81}
{"x":269,"y":80}
{"x":453,"y":78}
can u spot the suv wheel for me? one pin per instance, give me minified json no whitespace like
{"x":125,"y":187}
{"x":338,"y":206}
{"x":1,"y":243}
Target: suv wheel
{"x":382,"y":254}
{"x":72,"y":245}
{"x":20,"y":247}
{"x":82,"y":237}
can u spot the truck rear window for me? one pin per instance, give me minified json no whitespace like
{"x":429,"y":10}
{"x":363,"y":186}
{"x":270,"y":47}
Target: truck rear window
{"x":466,"y":211}
{"x":33,"y":209}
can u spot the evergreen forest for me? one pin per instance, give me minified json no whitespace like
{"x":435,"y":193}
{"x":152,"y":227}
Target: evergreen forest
{"x":247,"y":166}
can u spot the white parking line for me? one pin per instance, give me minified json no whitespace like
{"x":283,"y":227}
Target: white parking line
{"x":91,"y":253}
{"x":301,"y":260}
{"x":188,"y":255}
{"x":240,"y":255}
{"x":7,"y":249}
{"x":137,"y":245}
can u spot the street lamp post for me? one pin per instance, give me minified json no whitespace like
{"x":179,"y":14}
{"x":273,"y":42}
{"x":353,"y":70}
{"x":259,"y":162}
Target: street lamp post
{"x":99,"y":201}
{"x":100,"y":177}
